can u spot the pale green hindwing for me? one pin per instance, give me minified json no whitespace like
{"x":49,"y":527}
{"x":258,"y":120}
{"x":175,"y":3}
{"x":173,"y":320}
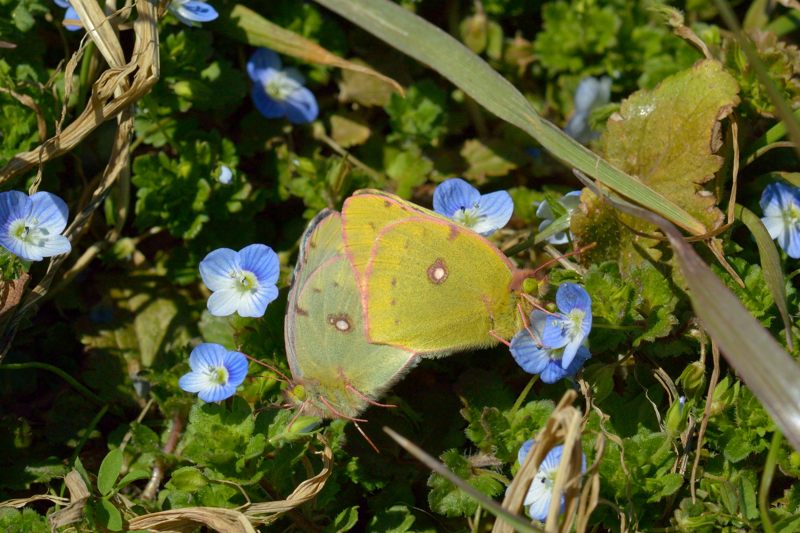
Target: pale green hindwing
{"x":326,"y":345}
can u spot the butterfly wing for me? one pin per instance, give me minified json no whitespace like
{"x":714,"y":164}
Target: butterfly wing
{"x":327,"y":348}
{"x":433,"y":286}
{"x":365,"y":214}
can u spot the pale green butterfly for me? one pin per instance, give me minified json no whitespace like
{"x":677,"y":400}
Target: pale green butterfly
{"x":337,"y":373}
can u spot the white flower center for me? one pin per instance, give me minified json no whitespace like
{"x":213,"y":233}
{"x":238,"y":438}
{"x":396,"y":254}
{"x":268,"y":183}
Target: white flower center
{"x":574,"y":322}
{"x":791,"y":216}
{"x":468,"y":216}
{"x":218,"y":375}
{"x":281,"y":86}
{"x":244,"y":281}
{"x":28,"y":231}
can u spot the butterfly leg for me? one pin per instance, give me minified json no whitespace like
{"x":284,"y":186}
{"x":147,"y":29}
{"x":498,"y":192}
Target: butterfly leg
{"x":369,"y":441}
{"x":499,"y":338}
{"x":282,"y":376}
{"x":527,"y":325}
{"x":367,"y":398}
{"x":337,"y":413}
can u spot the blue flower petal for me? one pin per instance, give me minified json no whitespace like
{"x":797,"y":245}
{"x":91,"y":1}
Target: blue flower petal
{"x":560,"y":237}
{"x":555,"y":332}
{"x":236,"y":363}
{"x":524,"y":449}
{"x":572,"y":296}
{"x":225,"y":175}
{"x":267,"y":106}
{"x":301,"y":106}
{"x":50,"y":210}
{"x":62,"y":3}
{"x":571,"y":200}
{"x":207,"y":355}
{"x":453,"y":195}
{"x":216,"y":268}
{"x":792,"y":242}
{"x":196,"y":11}
{"x":194,"y":382}
{"x":553,"y":372}
{"x":260,"y":61}
{"x":527,"y":354}
{"x":217,"y":393}
{"x":225,"y":302}
{"x":262,"y":261}
{"x":495,"y":210}
{"x":71,"y":15}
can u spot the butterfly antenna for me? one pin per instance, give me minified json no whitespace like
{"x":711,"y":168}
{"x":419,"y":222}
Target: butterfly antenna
{"x":281,"y":376}
{"x":367,"y":398}
{"x":337,"y":413}
{"x":369,"y":441}
{"x":554,"y":260}
{"x":536,"y":305}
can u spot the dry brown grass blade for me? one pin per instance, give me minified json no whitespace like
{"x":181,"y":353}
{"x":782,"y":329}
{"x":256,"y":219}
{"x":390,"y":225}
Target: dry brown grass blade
{"x":189,"y":518}
{"x":233,"y":520}
{"x":78,"y":494}
{"x":115,"y":88}
{"x":111,"y":93}
{"x":22,"y":502}
{"x":266,"y":512}
{"x":563,"y":426}
{"x":261,"y":32}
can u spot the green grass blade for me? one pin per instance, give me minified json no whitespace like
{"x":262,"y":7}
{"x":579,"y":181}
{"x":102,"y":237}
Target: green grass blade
{"x":770,"y":265}
{"x":518,"y":522}
{"x":762,"y":363}
{"x":425,"y":42}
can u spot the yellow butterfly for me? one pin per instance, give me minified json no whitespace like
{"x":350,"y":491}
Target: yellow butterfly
{"x":427,"y":283}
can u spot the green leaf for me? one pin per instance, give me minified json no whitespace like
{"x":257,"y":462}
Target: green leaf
{"x":108,"y":515}
{"x":491,"y":158}
{"x":394,"y":519}
{"x":447,"y":499}
{"x":188,"y":479}
{"x":109,"y":471}
{"x":408,"y":168}
{"x":131,"y":476}
{"x":345,"y":520}
{"x":668,"y":137}
{"x":419,"y":116}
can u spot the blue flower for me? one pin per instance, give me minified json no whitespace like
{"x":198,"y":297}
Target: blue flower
{"x":569,"y":202}
{"x":278,"y":93}
{"x":590,"y":94}
{"x":540,"y":493}
{"x":570,"y":327}
{"x":216,"y":372}
{"x":225,"y":175}
{"x":31,"y":226}
{"x":192,"y":12}
{"x":547,"y":362}
{"x":484,"y":214}
{"x":243,"y":282}
{"x":70,"y":14}
{"x":780,"y":204}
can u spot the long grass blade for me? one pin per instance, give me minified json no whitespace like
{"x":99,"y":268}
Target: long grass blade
{"x":770,"y":265}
